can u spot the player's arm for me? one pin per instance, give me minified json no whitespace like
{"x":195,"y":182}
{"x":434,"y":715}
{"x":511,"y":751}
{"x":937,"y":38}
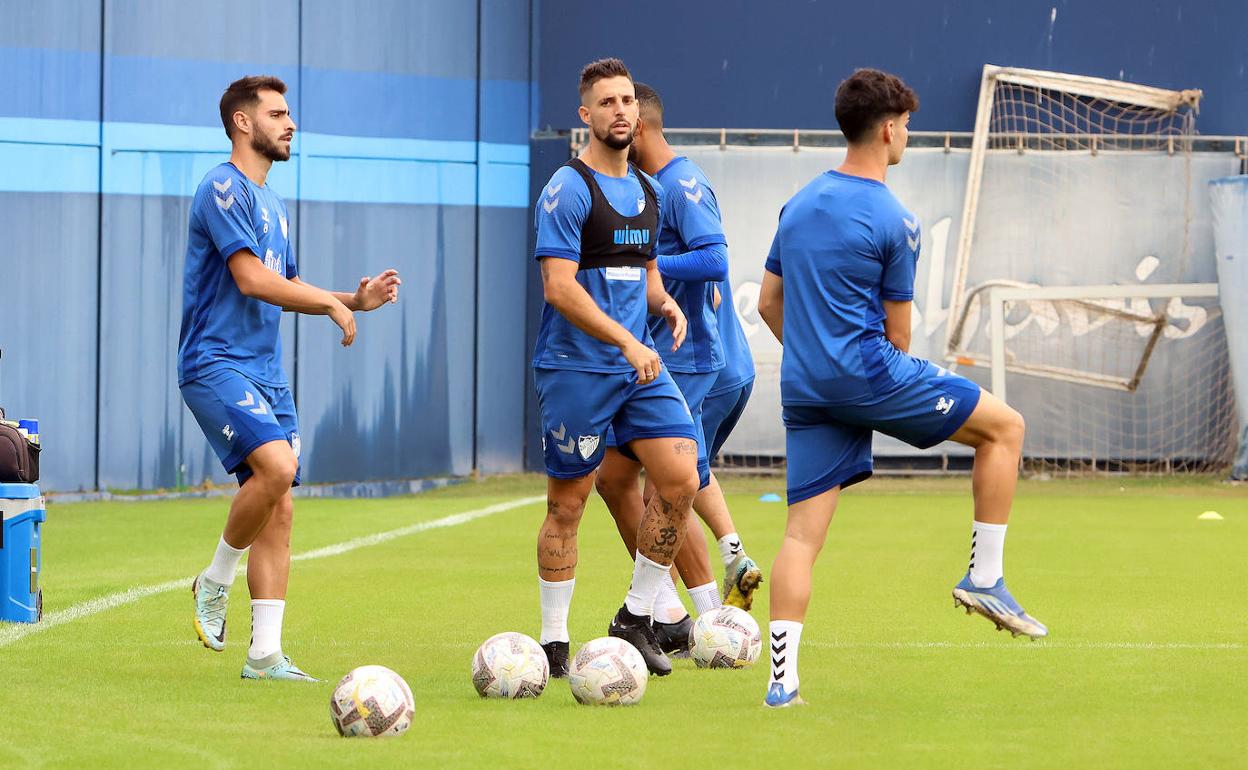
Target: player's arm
{"x":661,"y":303}
{"x":257,"y":281}
{"x":563,"y":293}
{"x":897,"y":323}
{"x":371,"y":294}
{"x":771,"y":304}
{"x":708,"y":263}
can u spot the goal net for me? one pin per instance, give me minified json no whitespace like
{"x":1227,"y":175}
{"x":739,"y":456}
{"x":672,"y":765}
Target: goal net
{"x":1084,"y":182}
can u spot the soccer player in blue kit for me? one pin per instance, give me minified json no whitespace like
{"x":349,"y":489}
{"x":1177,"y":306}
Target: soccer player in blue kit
{"x":240,"y":274}
{"x":837,"y":293}
{"x":595,"y":366}
{"x":692,"y":257}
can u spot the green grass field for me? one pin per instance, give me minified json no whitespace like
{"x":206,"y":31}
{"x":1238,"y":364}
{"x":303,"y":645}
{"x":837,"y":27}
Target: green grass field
{"x":1146,"y":665}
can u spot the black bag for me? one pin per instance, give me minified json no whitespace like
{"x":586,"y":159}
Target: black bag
{"x":19,"y":457}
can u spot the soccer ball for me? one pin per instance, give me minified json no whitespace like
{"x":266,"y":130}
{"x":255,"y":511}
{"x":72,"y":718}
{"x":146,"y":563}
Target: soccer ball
{"x":725,"y":637}
{"x":608,"y":672}
{"x":510,"y":665}
{"x":372,"y":702}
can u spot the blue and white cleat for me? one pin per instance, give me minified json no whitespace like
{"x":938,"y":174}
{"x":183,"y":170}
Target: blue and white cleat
{"x":777,"y":698}
{"x":996,"y":604}
{"x":277,"y":667}
{"x":210,"y":601}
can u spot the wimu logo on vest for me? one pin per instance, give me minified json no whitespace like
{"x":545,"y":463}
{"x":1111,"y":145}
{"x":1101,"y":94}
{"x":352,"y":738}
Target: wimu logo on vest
{"x":627,"y":236}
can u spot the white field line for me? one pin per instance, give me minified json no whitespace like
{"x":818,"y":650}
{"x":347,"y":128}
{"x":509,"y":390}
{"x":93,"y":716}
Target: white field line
{"x":10,"y":633}
{"x":1022,"y":644}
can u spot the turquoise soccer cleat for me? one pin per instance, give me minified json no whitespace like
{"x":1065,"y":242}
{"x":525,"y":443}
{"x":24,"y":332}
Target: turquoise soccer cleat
{"x":210,"y":601}
{"x":277,"y":667}
{"x":996,"y":604}
{"x":777,"y":698}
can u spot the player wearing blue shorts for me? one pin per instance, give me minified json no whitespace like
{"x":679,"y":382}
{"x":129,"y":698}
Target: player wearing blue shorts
{"x":837,"y":292}
{"x":240,"y":274}
{"x":692,"y":258}
{"x":729,"y":395}
{"x":595,"y":367}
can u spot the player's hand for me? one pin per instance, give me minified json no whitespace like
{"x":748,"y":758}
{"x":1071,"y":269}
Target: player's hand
{"x":644,"y":360}
{"x":675,"y":321}
{"x":716,"y":299}
{"x":372,"y":293}
{"x":345,"y":319}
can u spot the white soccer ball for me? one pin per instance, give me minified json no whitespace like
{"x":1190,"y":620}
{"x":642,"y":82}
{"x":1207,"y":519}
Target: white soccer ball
{"x":608,"y":672}
{"x":725,"y":637}
{"x":372,"y":702}
{"x":510,"y":665}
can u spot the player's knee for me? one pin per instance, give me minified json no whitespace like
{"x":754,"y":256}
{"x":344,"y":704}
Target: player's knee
{"x":1013,"y":428}
{"x":613,"y":486}
{"x":279,"y":473}
{"x":564,"y":511}
{"x":680,"y":489}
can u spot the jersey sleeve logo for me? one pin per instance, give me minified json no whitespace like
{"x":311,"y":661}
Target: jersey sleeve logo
{"x":282,"y":221}
{"x":552,"y":198}
{"x":692,"y":191}
{"x":912,"y":232}
{"x":223,"y":201}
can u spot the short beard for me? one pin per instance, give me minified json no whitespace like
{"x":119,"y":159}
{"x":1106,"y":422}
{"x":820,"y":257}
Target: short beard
{"x":269,"y":148}
{"x":607,"y":138}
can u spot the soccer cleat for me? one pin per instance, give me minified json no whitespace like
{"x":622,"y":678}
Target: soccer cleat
{"x":674,"y":637}
{"x":777,"y":698}
{"x":277,"y":667}
{"x":557,"y":657}
{"x":638,"y":632}
{"x":741,"y":577}
{"x":210,"y":602}
{"x":996,"y":604}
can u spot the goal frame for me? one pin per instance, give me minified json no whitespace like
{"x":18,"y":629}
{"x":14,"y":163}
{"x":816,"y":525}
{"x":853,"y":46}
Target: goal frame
{"x":1078,"y":85}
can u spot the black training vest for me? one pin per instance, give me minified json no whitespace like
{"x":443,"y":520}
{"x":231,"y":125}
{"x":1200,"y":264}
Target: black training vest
{"x":610,"y":239}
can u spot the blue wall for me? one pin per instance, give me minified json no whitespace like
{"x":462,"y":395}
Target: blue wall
{"x":746,"y":64}
{"x":412,"y":152}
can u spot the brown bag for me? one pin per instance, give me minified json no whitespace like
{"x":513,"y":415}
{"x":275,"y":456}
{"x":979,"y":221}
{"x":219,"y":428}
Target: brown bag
{"x":19,"y":457}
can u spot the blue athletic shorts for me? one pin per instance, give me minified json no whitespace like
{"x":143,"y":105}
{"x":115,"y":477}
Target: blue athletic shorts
{"x":694,"y":388}
{"x":578,"y":408}
{"x":238,"y":415}
{"x":720,"y":413}
{"x":829,"y":446}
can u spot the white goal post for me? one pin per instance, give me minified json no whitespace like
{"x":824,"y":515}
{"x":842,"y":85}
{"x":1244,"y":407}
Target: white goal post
{"x":1101,"y":300}
{"x":1026,"y":110}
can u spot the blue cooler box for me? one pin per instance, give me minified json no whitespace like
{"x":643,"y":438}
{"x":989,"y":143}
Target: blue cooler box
{"x":21,"y":512}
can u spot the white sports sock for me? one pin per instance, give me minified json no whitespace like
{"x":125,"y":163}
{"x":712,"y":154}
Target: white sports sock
{"x":705,"y":598}
{"x":729,"y":547}
{"x":224,"y":564}
{"x":556,"y":598}
{"x":667,"y":605}
{"x":987,"y":549}
{"x":647,"y":580}
{"x":266,"y":627}
{"x":784,"y":638}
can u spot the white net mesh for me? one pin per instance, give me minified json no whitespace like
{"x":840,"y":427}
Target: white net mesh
{"x":1110,"y":384}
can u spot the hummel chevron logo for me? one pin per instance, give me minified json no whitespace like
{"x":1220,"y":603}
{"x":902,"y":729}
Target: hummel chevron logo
{"x":911,"y":224}
{"x":912,"y":242}
{"x":695,"y":197}
{"x":776,"y":663}
{"x":944,"y":406}
{"x":553,"y":191}
{"x":777,"y":649}
{"x":251,"y":401}
{"x":224,"y":203}
{"x":558,"y":435}
{"x":550,"y":205}
{"x":691,"y":182}
{"x":223,"y":187}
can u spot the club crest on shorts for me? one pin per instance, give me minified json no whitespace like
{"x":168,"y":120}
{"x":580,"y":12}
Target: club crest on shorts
{"x":587,"y":446}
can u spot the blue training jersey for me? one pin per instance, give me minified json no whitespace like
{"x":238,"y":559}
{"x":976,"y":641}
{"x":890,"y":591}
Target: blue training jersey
{"x":690,"y":221}
{"x":844,"y":245}
{"x":738,"y":361}
{"x":222,"y":328}
{"x":620,"y":292}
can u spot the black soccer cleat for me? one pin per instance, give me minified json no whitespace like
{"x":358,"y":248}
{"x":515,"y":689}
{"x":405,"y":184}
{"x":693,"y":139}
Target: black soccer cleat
{"x":674,"y":637}
{"x":557,"y":657}
{"x":638,"y":632}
